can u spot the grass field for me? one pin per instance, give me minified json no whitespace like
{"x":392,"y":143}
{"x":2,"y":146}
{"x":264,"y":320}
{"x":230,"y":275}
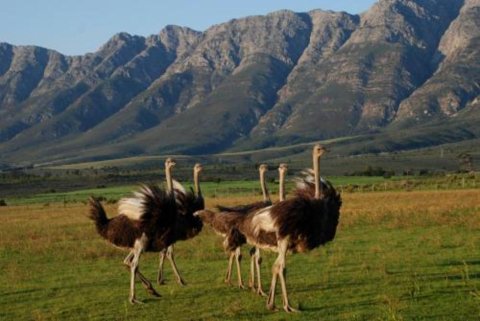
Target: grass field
{"x":209,"y":189}
{"x":227,"y":189}
{"x":397,"y":256}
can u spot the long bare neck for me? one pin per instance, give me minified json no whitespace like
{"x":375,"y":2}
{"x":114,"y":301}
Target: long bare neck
{"x":266,"y":196}
{"x":196,"y":181}
{"x":281,"y":187}
{"x":316,"y":170}
{"x":168,"y":176}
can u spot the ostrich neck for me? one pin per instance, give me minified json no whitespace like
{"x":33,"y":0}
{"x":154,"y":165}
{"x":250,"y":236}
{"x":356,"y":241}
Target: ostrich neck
{"x":266,"y":196}
{"x":316,"y":170}
{"x":198,"y":192}
{"x":168,"y":176}
{"x":281,"y":190}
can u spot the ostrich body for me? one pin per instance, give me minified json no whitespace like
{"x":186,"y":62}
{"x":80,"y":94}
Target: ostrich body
{"x":299,"y":224}
{"x":224,"y":223}
{"x":187,"y":204}
{"x":145,"y":226}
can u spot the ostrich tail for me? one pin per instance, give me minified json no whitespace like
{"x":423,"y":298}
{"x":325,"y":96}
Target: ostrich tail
{"x":98,"y":215}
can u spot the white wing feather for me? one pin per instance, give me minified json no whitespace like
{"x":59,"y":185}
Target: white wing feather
{"x":133,"y":207}
{"x":178,"y":187}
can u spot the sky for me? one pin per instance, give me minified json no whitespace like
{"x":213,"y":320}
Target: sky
{"x":75,"y":27}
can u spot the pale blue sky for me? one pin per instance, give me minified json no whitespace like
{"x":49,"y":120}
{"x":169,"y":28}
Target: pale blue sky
{"x":80,"y":26}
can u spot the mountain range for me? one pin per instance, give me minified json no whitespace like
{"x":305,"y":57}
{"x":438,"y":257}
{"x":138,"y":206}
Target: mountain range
{"x":405,"y":74}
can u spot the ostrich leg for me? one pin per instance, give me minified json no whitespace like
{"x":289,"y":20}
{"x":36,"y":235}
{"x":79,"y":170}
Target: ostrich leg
{"x":238,"y":258}
{"x":228,"y":276}
{"x":160,"y":279}
{"x":278,"y":270}
{"x":171,"y":258}
{"x":271,"y":293}
{"x":145,"y":282}
{"x":251,"y":279}
{"x":137,"y":251}
{"x":258,"y":261}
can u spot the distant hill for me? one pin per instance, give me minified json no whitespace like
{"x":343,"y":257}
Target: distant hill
{"x":403,"y":75}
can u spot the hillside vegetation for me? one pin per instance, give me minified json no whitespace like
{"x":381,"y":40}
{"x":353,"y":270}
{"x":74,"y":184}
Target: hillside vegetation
{"x":403,"y":75}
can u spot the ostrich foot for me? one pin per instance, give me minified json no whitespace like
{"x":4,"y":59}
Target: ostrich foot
{"x":160,"y":280}
{"x":181,"y":282}
{"x":271,"y":307}
{"x":260,"y":292}
{"x":289,"y":309}
{"x":135,"y":301}
{"x":153,"y":292}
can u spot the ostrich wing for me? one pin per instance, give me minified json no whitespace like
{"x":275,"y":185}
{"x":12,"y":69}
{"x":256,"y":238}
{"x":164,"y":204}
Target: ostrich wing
{"x":244,"y":209}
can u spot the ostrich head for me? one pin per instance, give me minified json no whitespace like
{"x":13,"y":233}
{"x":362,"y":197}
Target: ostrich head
{"x":282,"y":168}
{"x":206,"y":216}
{"x":170,"y":163}
{"x":197,"y":168}
{"x":263,"y":168}
{"x":318,"y":151}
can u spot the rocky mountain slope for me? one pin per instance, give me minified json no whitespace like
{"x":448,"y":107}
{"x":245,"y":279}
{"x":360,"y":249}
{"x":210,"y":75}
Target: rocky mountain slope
{"x":407,"y":66}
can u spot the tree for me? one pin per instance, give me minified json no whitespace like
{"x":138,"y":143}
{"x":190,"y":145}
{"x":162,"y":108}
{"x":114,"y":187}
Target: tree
{"x":465,"y":160}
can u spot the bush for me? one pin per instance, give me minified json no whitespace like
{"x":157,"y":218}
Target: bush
{"x":3,"y":203}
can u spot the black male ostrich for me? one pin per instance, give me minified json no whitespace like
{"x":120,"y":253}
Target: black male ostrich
{"x":299,"y":224}
{"x":149,"y":225}
{"x":223,"y":222}
{"x":186,"y":225}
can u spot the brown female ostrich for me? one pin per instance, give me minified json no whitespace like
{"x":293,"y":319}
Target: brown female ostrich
{"x":256,"y":260}
{"x":187,"y":204}
{"x":223,"y":222}
{"x":148,"y":222}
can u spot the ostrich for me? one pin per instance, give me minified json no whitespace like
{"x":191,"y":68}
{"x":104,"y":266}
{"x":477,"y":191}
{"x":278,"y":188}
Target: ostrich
{"x":255,"y":251}
{"x":146,"y":223}
{"x":223,"y":222}
{"x":299,"y":224}
{"x":188,"y":204}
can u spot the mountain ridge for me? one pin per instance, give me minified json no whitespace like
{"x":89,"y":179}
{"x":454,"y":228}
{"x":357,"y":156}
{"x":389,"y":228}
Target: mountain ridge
{"x":253,"y":82}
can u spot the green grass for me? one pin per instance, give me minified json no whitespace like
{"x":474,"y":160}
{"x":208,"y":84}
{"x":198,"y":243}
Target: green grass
{"x":396,"y":256}
{"x":210,"y":189}
{"x":251,"y":188}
